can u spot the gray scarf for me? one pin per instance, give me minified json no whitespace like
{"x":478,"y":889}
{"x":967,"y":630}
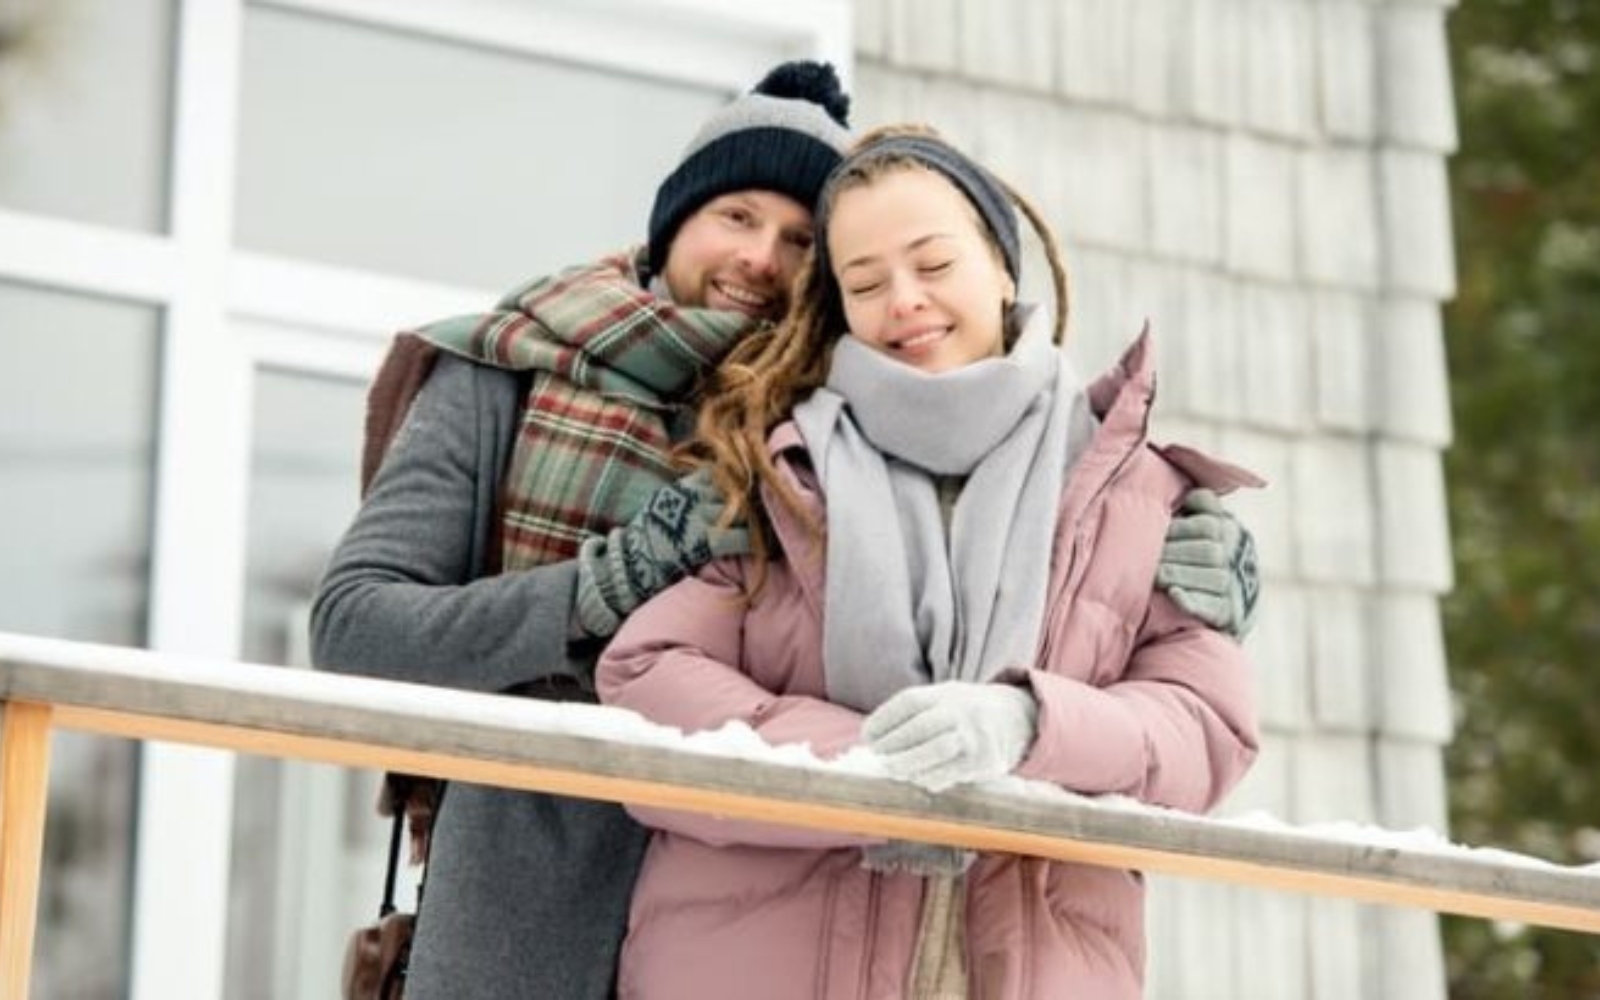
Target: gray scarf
{"x":905,"y":604}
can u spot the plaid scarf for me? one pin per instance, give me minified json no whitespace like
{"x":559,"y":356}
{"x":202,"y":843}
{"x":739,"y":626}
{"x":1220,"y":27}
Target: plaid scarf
{"x":610,"y":364}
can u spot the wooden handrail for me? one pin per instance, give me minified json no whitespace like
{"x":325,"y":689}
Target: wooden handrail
{"x":598,"y":753}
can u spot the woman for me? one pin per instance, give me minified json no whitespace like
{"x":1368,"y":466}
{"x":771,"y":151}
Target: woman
{"x":939,"y":447}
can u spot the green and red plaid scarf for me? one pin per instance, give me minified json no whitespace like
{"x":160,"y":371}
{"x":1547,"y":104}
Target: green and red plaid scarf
{"x":610,"y":363}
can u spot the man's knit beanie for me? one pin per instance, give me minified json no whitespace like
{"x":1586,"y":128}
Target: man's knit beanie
{"x":784,"y":136}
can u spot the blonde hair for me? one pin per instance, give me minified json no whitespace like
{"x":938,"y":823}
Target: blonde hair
{"x":763,"y":378}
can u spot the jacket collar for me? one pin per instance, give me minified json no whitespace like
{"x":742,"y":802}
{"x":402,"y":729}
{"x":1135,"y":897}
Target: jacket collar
{"x":1122,"y":399}
{"x":803,"y":550}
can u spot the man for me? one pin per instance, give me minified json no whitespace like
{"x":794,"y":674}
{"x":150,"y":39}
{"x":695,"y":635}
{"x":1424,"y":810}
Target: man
{"x":510,"y":456}
{"x":520,"y":502}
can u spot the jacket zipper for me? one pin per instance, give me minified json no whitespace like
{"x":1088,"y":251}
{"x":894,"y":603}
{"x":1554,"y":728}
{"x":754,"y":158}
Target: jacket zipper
{"x":1077,"y":532}
{"x":1030,"y":933}
{"x":825,"y":938}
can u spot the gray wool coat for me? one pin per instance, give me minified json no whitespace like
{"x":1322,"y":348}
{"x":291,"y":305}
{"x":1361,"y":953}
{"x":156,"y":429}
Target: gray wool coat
{"x":527,"y":894}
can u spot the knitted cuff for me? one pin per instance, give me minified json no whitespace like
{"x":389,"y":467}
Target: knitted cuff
{"x":1247,"y":577}
{"x":593,"y":606}
{"x":1019,"y":727}
{"x":909,"y":857}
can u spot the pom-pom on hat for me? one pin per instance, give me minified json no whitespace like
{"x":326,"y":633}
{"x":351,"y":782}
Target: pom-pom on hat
{"x":783,"y":136}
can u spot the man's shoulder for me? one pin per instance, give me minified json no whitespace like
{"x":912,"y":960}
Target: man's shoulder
{"x":460,"y":383}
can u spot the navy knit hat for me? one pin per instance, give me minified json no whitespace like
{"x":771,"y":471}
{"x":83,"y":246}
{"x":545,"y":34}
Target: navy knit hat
{"x":783,"y":136}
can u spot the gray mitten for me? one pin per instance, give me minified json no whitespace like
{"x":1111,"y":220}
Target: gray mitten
{"x":673,"y":535}
{"x":939,"y":735}
{"x":1208,"y":565}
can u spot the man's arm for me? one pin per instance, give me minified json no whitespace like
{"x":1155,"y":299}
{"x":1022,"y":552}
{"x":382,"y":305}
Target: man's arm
{"x":402,"y":597}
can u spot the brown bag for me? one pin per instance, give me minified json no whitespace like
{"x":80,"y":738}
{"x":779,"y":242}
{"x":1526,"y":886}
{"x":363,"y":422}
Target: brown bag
{"x":375,"y":959}
{"x":377,"y":955}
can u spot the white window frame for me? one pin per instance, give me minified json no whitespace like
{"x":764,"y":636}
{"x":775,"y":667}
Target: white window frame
{"x":227,"y":312}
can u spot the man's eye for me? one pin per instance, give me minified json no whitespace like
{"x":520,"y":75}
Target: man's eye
{"x":737,"y":216}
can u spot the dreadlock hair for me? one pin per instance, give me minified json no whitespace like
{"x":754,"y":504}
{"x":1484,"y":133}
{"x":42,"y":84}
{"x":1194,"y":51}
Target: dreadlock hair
{"x":759,"y":383}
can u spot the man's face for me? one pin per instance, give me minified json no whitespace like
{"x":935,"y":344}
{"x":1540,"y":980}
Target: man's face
{"x":740,"y":252}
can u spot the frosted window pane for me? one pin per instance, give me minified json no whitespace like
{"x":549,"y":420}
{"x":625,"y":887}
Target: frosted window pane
{"x":373,"y":148}
{"x":77,"y":425}
{"x":77,"y":430}
{"x":304,"y":462}
{"x":287,"y":912}
{"x":85,"y":109}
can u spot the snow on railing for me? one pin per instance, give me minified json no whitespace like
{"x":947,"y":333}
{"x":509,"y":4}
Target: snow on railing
{"x":601,"y":753}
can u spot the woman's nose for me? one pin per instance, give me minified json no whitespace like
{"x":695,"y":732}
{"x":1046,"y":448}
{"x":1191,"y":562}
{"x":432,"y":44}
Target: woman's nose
{"x":905,"y":297}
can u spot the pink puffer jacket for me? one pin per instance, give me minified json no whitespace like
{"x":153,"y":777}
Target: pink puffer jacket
{"x":1135,"y":698}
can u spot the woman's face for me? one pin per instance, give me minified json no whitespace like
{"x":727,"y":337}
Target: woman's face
{"x":919,"y":279}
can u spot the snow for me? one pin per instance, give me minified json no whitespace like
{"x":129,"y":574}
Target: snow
{"x":734,"y":740}
{"x":737,"y":740}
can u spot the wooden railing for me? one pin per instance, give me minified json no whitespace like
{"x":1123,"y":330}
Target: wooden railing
{"x":599,"y":753}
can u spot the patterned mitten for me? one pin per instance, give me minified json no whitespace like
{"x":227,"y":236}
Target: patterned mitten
{"x":672,"y":536}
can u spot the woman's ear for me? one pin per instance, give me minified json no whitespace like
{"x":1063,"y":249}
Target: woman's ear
{"x":1008,"y":294}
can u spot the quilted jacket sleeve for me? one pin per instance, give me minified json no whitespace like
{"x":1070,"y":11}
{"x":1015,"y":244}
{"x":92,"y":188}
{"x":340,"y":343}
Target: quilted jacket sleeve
{"x":1177,"y":729}
{"x":675,"y":662}
{"x":1146,"y":700}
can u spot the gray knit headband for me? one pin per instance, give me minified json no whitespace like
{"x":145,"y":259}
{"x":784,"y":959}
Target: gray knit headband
{"x":783,"y":137}
{"x":980,"y":187}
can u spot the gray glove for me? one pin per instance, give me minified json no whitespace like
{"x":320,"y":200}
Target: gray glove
{"x":1208,"y":565}
{"x":673,"y":535}
{"x":939,"y":735}
{"x":911,"y":857}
